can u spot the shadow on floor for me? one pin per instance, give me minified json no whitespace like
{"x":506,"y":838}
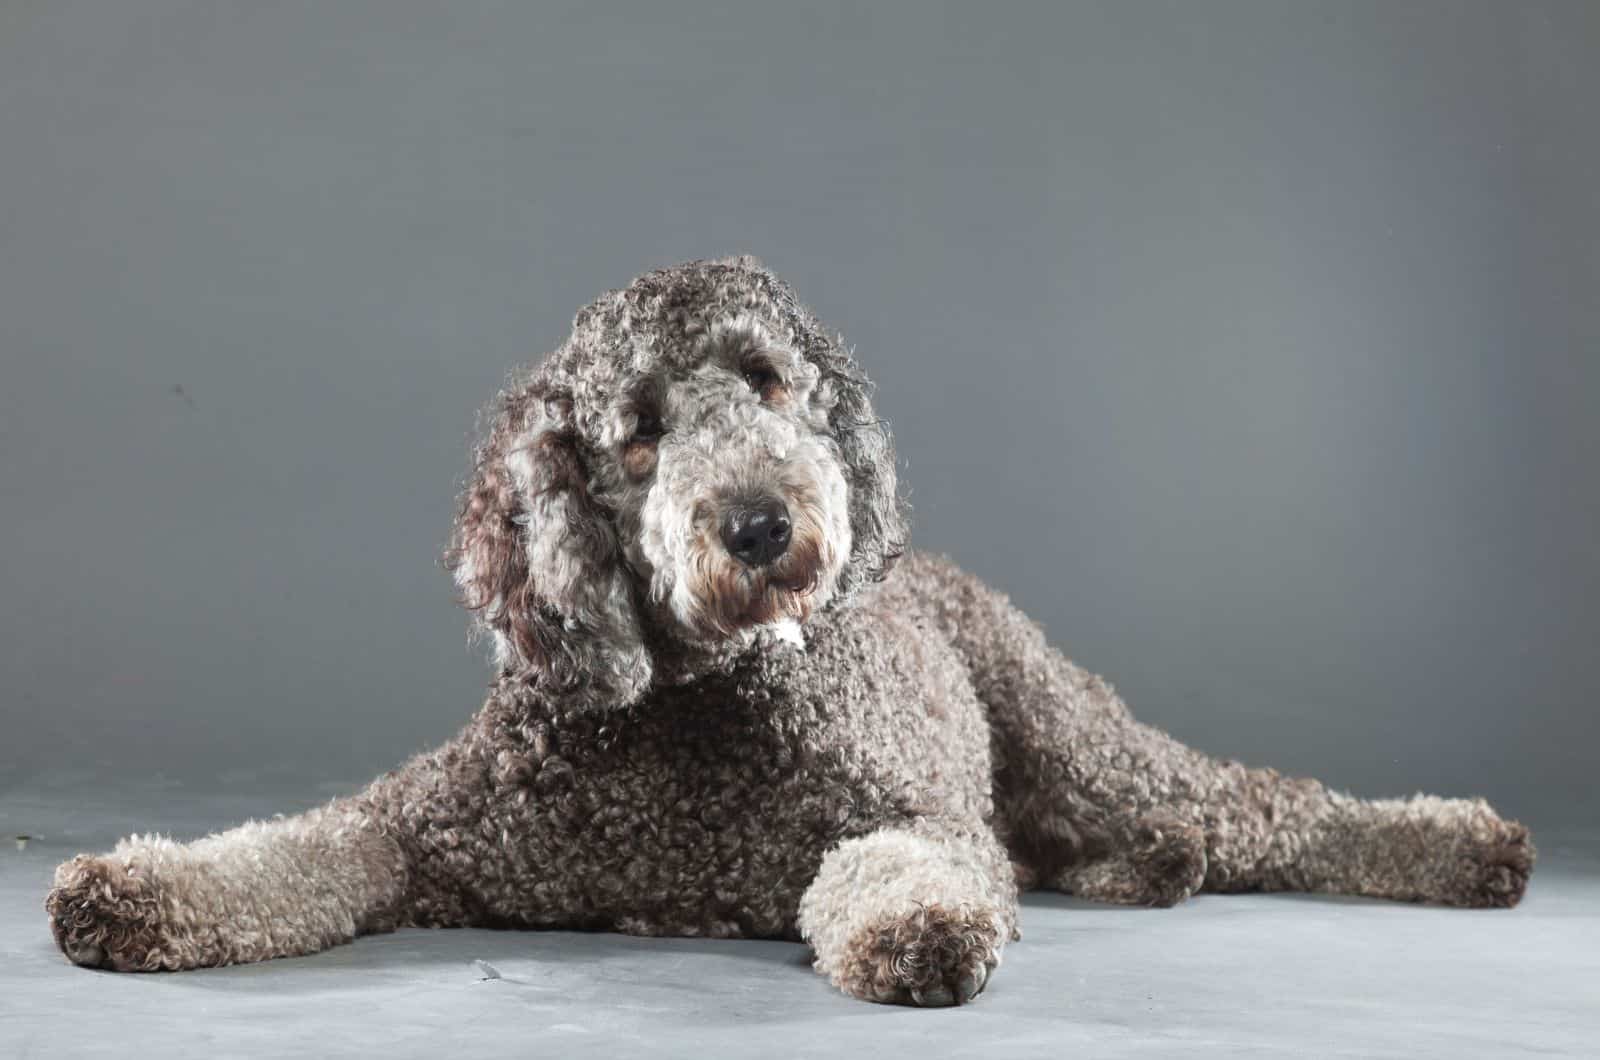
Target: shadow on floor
{"x":451,"y":958}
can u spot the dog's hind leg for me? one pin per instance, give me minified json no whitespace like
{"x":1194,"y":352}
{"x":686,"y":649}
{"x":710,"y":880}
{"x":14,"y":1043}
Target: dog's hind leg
{"x":279,"y":888}
{"x":1097,"y":804}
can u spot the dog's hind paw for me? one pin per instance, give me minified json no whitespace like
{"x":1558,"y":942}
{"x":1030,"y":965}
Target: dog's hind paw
{"x":1162,"y":863}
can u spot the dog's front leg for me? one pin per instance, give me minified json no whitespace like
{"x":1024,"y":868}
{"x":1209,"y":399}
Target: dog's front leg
{"x":912,"y":915}
{"x":279,"y":888}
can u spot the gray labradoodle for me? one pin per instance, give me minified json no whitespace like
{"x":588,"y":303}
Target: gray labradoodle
{"x":728,"y":702}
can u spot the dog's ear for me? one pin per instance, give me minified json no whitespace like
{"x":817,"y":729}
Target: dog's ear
{"x":878,"y":523}
{"x":538,"y":563}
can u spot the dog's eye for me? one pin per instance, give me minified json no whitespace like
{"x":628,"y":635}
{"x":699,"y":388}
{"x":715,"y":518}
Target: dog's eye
{"x":648,"y":429}
{"x":764,"y":380}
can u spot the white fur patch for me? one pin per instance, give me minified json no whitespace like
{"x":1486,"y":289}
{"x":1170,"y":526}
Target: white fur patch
{"x":788,"y":631}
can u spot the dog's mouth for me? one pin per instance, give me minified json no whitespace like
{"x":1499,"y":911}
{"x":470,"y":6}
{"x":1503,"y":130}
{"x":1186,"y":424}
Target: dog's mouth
{"x":764,"y":599}
{"x":779,"y":598}
{"x":720,"y":597}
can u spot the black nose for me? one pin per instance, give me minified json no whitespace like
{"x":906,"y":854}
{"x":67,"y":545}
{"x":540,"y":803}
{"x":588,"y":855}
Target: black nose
{"x":756,"y":534}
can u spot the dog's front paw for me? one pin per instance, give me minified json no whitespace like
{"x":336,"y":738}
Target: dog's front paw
{"x":930,"y":956}
{"x":105,"y":912}
{"x":1495,"y":863}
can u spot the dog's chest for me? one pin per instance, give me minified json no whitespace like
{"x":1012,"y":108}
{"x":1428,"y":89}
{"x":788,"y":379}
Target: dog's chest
{"x":698,"y":813}
{"x":707,"y":808}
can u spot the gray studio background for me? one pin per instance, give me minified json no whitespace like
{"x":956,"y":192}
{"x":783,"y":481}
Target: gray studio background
{"x":1253,"y":348}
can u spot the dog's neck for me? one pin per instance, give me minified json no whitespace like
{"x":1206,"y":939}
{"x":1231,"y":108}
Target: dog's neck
{"x":678,"y":662}
{"x":673,"y":663}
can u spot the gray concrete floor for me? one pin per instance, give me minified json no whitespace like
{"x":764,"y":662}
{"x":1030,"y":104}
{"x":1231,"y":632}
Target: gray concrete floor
{"x":1219,"y":976}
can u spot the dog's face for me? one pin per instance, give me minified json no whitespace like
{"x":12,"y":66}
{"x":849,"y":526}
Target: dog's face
{"x":699,"y":461}
{"x":727,"y":487}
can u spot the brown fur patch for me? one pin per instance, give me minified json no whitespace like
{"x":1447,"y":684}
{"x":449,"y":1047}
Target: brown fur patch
{"x":639,"y":458}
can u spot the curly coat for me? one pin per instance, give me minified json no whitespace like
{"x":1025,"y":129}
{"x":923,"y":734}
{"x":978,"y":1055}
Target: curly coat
{"x":819,"y":749}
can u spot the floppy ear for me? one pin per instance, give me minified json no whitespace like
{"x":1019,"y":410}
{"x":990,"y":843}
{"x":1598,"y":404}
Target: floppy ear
{"x":538,"y":563}
{"x":878,"y":524}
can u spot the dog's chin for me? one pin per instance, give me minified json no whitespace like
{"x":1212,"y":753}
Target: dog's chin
{"x":780,"y":603}
{"x":736,"y":603}
{"x":768,"y":602}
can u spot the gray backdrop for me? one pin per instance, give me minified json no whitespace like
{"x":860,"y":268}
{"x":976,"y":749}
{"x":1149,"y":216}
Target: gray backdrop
{"x":1254,"y":348}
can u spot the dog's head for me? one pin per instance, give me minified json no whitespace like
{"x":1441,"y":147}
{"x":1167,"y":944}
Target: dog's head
{"x":699,"y":461}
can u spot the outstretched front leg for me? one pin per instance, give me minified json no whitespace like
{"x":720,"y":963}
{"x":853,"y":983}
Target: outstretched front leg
{"x":1102,"y":806}
{"x":914,"y":915}
{"x":277,"y":888}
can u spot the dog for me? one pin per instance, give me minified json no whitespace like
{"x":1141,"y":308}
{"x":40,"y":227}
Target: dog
{"x":729,"y":701}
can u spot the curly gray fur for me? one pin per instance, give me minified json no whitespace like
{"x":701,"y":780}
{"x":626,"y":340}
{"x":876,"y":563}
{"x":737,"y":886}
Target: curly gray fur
{"x":678,"y":742}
